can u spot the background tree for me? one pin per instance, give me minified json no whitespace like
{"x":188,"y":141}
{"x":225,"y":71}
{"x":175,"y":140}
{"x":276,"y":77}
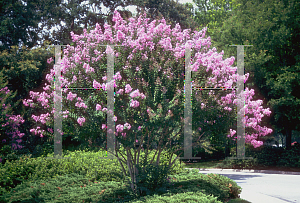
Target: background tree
{"x":272,"y":28}
{"x":20,"y":19}
{"x":78,"y":15}
{"x":172,"y":11}
{"x":212,"y":14}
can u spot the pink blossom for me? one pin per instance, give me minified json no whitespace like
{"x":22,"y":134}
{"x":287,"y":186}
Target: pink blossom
{"x":98,"y":107}
{"x":71,"y":96}
{"x":119,"y":128}
{"x":49,"y":60}
{"x":134,"y":103}
{"x":128,"y":88}
{"x":127,"y":126}
{"x":120,"y":91}
{"x":81,"y":120}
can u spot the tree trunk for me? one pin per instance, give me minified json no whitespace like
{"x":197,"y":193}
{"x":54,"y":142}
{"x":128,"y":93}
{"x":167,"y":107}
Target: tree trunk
{"x":132,"y":171}
{"x":288,"y":141}
{"x":227,"y":148}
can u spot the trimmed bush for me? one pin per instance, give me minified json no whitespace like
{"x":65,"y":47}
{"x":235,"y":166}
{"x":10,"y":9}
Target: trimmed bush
{"x":189,"y":186}
{"x":85,"y":163}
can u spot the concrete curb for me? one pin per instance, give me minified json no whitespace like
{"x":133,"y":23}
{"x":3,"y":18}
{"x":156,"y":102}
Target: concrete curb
{"x":212,"y":170}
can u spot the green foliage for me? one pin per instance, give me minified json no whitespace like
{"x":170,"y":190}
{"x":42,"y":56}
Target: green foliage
{"x":7,"y":154}
{"x":72,"y":186}
{"x":89,"y":165}
{"x":238,"y":163}
{"x":215,"y":184}
{"x":290,"y":158}
{"x":212,"y":14}
{"x":25,"y":68}
{"x":173,"y":13}
{"x":35,"y":168}
{"x":66,"y":188}
{"x":273,"y":61}
{"x":165,"y":157}
{"x":238,"y":200}
{"x":265,"y":157}
{"x":15,"y":29}
{"x":182,"y":197}
{"x":43,"y":150}
{"x":151,"y":177}
{"x":268,"y":156}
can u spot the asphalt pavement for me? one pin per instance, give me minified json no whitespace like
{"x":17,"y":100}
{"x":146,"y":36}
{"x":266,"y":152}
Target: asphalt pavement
{"x":263,"y":186}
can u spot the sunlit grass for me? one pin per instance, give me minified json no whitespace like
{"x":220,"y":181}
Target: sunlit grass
{"x":203,"y":164}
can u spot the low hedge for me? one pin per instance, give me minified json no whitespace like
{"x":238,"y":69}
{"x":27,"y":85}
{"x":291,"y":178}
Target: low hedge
{"x":188,"y":186}
{"x":266,"y":157}
{"x":83,"y":162}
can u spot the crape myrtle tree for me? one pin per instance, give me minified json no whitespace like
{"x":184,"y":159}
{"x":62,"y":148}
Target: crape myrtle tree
{"x":149,"y":69}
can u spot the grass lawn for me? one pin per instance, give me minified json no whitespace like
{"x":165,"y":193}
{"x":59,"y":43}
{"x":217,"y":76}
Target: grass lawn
{"x":204,"y":164}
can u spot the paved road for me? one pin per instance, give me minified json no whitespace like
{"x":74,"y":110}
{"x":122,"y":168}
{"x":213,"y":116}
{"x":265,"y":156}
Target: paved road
{"x":264,"y":186}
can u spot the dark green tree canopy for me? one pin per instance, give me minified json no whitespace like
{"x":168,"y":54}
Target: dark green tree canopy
{"x":272,"y":27}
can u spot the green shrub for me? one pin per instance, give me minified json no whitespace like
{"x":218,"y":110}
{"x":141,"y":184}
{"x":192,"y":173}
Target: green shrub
{"x":87,"y":164}
{"x":151,"y":177}
{"x":276,"y":156}
{"x":210,"y":184}
{"x":77,"y":188}
{"x":266,"y":156}
{"x":238,"y":163}
{"x":6,"y":154}
{"x":182,"y":197}
{"x":164,"y":159}
{"x":39,"y":179}
{"x":15,"y":172}
{"x":82,"y":162}
{"x":269,"y":156}
{"x":290,"y":158}
{"x":67,"y":188}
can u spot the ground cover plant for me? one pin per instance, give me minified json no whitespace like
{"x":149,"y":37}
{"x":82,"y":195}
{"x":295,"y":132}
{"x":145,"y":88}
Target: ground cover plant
{"x":86,"y":179}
